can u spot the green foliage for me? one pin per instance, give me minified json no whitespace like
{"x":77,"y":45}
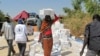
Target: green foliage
{"x":76,"y":19}
{"x":92,"y":6}
{"x":77,"y":8}
{"x":77,"y":4}
{"x":68,"y":11}
{"x":1,"y":16}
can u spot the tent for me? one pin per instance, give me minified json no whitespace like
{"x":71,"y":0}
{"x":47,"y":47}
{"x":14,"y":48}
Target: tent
{"x":23,"y":15}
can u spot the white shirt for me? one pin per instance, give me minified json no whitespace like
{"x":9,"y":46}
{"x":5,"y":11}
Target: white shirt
{"x":8,"y":29}
{"x":20,"y":33}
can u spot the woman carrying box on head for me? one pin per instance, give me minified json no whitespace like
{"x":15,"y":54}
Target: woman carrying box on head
{"x":46,"y":39}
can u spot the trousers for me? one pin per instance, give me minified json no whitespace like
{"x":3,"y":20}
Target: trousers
{"x":22,"y":47}
{"x":10,"y":47}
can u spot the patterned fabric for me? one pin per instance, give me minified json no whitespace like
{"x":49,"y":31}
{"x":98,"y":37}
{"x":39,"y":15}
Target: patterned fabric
{"x":47,"y":46}
{"x":47,"y":43}
{"x":46,"y":29}
{"x":44,"y":25}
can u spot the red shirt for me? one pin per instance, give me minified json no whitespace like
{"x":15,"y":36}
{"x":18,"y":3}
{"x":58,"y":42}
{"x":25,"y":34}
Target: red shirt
{"x":49,"y":31}
{"x":45,"y":24}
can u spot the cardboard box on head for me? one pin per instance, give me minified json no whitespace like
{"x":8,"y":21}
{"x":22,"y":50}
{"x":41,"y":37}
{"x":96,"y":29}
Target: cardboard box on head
{"x":48,"y":11}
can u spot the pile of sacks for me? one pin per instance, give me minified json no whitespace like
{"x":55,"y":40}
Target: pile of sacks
{"x":60,"y":41}
{"x":60,"y":38}
{"x":35,"y":48}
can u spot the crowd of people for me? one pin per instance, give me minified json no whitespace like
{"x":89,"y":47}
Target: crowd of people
{"x":19,"y":34}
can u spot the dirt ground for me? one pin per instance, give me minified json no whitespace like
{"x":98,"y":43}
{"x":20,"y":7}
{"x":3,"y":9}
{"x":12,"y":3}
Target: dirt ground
{"x":4,"y":47}
{"x":73,"y":51}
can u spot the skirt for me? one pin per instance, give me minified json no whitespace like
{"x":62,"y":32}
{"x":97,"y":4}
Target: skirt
{"x":47,"y":46}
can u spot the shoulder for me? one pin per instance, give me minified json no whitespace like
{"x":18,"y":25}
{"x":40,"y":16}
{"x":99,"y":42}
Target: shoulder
{"x":4,"y":22}
{"x":89,"y":24}
{"x":23,"y":25}
{"x":17,"y":25}
{"x":20,"y":26}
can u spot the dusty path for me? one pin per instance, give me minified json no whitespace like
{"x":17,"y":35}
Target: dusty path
{"x":73,"y":51}
{"x":4,"y":47}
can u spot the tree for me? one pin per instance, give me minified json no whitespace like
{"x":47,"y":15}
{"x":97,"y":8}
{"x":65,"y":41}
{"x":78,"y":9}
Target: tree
{"x":67,"y":10}
{"x":1,"y":16}
{"x":79,"y":19}
{"x":77,"y":8}
{"x":77,"y":4}
{"x":92,"y":6}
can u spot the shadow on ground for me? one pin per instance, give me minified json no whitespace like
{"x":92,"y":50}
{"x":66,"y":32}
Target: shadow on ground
{"x":26,"y":53}
{"x":66,"y":53}
{"x":3,"y":47}
{"x":30,"y":40}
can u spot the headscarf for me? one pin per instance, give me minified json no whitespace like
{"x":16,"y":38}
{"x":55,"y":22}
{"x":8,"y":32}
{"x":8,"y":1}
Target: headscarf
{"x":20,"y":21}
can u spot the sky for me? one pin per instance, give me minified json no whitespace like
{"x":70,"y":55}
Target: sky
{"x":13,"y":7}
